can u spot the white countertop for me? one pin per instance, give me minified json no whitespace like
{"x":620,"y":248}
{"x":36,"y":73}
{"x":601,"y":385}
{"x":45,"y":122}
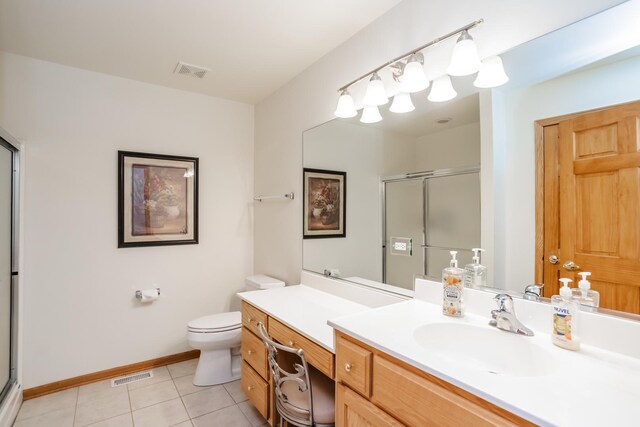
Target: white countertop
{"x":304,"y":309}
{"x":591,"y":387}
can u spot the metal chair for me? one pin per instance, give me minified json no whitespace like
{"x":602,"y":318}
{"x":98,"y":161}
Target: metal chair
{"x":305,"y":397}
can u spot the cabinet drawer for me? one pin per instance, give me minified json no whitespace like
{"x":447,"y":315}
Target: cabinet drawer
{"x":256,"y":389}
{"x":319,"y":357}
{"x":251,"y":316}
{"x":352,"y":410}
{"x":353,"y":366}
{"x":417,"y":401}
{"x":254,"y":353}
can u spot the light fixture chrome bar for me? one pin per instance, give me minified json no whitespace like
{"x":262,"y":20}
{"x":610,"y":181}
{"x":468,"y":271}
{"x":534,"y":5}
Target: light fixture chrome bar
{"x":416,"y":50}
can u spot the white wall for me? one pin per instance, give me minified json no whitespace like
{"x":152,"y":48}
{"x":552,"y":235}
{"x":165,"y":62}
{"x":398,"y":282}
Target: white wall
{"x":450,"y":148}
{"x":597,"y":87}
{"x":309,"y":99}
{"x":80,"y":315}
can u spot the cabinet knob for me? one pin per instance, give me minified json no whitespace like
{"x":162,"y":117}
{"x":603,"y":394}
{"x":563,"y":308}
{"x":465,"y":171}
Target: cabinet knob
{"x":291,"y":343}
{"x":249,"y":352}
{"x":249,"y":388}
{"x":250,"y":319}
{"x":347,"y":367}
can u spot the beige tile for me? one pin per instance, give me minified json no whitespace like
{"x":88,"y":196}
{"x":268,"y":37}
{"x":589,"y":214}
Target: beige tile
{"x":231,"y":416}
{"x":124,"y":420}
{"x":183,"y":424}
{"x":164,"y":414}
{"x":152,"y":394}
{"x":206,"y":401}
{"x":98,"y":391}
{"x":255,"y":418}
{"x":181,"y":369}
{"x":59,"y":418}
{"x":185,"y":385}
{"x":100,"y":404}
{"x":159,"y":375}
{"x":234,"y":388}
{"x":52,"y":402}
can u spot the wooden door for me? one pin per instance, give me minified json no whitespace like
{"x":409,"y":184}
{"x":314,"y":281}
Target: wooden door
{"x":352,"y":410}
{"x":592,"y":203}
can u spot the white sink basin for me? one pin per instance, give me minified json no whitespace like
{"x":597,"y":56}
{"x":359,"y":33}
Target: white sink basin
{"x":485,"y":349}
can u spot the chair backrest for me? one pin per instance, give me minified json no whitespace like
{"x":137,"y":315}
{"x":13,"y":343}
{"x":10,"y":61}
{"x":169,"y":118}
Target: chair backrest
{"x":296,"y":409}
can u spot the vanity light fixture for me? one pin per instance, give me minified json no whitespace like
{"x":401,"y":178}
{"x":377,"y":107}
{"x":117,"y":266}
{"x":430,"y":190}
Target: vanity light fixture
{"x":465,"y":59}
{"x":491,"y":73}
{"x":375,"y":94}
{"x":370,"y":114}
{"x":402,"y":103}
{"x":442,"y":90}
{"x":408,"y":70}
{"x":346,"y":107}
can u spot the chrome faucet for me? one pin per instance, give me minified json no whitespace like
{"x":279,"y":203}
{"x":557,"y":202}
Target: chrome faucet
{"x":505,"y":316}
{"x":533,"y":292}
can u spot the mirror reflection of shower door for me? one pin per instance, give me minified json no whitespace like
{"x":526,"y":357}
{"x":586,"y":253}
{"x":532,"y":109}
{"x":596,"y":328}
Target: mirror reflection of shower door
{"x":6,"y":244}
{"x":403,"y":220}
{"x":451,"y":221}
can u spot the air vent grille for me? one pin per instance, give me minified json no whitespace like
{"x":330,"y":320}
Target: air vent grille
{"x":191,"y":70}
{"x":128,"y":379}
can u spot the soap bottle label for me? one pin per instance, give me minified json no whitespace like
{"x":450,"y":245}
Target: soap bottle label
{"x":452,"y":290}
{"x":562,"y":323}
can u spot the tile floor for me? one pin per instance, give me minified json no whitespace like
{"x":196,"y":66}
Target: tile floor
{"x":167,"y":399}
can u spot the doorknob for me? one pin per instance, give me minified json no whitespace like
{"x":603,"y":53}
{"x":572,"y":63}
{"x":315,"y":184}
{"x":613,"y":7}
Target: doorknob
{"x":553,"y":259}
{"x":570,"y":265}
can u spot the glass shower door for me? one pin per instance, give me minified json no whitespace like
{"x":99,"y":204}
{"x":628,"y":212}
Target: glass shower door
{"x":6,"y":209}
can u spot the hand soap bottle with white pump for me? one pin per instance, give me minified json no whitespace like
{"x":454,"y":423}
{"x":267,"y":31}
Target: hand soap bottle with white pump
{"x":475,"y":274}
{"x":566,"y":318}
{"x":584,"y":294}
{"x":452,"y":288}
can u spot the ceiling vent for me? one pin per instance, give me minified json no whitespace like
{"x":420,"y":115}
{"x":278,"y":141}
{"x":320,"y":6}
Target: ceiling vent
{"x":191,"y":70}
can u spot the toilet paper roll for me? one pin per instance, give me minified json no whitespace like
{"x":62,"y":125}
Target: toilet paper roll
{"x":149,"y":295}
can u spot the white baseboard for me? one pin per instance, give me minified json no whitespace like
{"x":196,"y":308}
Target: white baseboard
{"x":11,"y":406}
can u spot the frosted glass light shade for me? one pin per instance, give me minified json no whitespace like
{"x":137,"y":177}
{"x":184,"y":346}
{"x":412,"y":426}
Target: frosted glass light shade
{"x":402,"y":103}
{"x":442,"y":90}
{"x":346,"y":107}
{"x":370,"y":114}
{"x":413,"y":77}
{"x":491,"y":73}
{"x":465,"y":59}
{"x":375,"y":94}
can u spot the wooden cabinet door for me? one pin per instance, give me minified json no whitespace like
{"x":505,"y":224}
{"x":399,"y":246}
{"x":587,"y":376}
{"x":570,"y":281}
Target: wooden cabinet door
{"x":598,"y":203}
{"x":352,"y":410}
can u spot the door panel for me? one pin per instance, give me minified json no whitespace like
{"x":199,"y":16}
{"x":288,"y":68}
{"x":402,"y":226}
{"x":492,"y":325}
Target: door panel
{"x":6,"y":173}
{"x":592,"y":202}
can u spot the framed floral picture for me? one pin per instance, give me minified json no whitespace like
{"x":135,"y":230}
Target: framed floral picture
{"x":157,"y":200}
{"x":325,"y":203}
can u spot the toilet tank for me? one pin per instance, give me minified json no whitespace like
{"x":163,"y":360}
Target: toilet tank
{"x":260,"y":281}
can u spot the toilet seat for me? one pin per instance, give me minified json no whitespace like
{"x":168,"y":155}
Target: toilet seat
{"x":214,"y":323}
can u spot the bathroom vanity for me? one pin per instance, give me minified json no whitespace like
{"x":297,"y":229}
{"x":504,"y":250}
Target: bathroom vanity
{"x":404,"y":363}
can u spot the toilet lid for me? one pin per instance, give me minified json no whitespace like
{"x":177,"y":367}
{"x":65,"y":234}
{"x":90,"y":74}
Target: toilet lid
{"x":216,"y":322}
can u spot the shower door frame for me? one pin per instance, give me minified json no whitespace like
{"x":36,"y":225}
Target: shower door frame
{"x":15,"y":202}
{"x":424,"y":176}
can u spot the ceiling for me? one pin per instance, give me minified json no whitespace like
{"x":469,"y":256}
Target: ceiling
{"x":252,"y":47}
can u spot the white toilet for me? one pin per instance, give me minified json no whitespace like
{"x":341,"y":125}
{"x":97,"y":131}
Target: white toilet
{"x":217,"y":336}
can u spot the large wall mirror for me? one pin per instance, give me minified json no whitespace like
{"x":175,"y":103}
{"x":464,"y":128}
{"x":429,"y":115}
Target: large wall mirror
{"x":526,"y":171}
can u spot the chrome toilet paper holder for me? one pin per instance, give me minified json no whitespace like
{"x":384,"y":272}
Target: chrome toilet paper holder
{"x":139,"y":294}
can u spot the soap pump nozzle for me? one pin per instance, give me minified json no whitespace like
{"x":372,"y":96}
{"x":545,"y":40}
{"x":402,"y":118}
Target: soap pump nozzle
{"x":584,"y":284}
{"x":454,"y":261}
{"x":565,"y":290}
{"x":476,"y":255}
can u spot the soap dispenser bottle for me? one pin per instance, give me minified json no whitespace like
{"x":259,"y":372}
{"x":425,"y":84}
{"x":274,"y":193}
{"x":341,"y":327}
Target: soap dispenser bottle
{"x":452,"y":285}
{"x":585,"y":295}
{"x":475,"y":274}
{"x":566,"y":315}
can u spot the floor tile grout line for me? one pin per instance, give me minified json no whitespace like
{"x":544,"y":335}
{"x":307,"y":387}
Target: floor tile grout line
{"x":75,"y":410}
